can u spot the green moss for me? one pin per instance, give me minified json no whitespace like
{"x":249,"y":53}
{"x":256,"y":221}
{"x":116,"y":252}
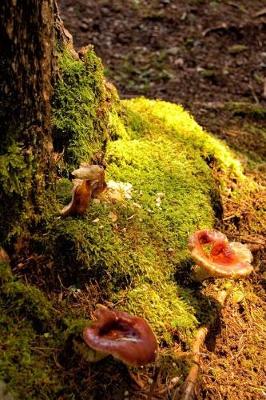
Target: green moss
{"x":29,"y":301}
{"x":14,"y":170}
{"x":175,"y":122}
{"x":165,"y":305}
{"x":79,"y":108}
{"x":135,"y":258}
{"x":15,"y":183}
{"x":5,"y":272}
{"x":25,"y":318}
{"x":22,"y":366}
{"x":32,"y":336}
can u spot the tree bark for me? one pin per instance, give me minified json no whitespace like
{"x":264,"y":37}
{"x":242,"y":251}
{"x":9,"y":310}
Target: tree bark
{"x":26,"y":66}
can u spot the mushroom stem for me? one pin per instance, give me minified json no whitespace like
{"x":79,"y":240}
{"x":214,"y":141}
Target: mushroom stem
{"x":89,"y":184}
{"x":199,"y":274}
{"x":81,"y":196}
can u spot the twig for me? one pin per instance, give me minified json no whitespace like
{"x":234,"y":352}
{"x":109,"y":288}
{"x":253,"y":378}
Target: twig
{"x":186,"y":391}
{"x":260,"y":13}
{"x":253,"y":93}
{"x":223,"y":26}
{"x":154,"y":383}
{"x":264,"y":88}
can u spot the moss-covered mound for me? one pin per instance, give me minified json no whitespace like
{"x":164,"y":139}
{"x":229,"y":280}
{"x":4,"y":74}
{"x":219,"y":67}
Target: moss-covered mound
{"x":134,"y":248}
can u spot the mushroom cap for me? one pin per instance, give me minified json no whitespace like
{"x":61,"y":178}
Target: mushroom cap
{"x":126,"y":337}
{"x":224,"y":259}
{"x":90,"y":172}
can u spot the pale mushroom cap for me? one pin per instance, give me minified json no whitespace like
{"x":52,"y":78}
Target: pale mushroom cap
{"x":90,"y":172}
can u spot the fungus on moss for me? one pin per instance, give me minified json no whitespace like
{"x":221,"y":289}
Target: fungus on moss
{"x":224,"y":259}
{"x":90,"y":184}
{"x":126,"y":337}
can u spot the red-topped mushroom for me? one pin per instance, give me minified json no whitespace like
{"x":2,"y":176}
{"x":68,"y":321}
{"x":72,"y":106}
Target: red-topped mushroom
{"x":126,"y":337}
{"x":217,"y":257}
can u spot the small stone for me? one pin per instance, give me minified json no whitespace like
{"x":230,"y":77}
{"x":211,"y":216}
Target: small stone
{"x":173,"y":51}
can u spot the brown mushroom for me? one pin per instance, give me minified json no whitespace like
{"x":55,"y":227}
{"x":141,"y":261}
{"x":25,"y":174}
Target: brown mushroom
{"x":81,"y":195}
{"x":126,"y":337}
{"x":216,"y":257}
{"x":90,"y":183}
{"x":4,"y":257}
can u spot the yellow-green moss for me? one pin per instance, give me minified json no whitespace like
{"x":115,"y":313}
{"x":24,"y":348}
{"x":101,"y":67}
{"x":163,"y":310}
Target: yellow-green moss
{"x":173,"y":120}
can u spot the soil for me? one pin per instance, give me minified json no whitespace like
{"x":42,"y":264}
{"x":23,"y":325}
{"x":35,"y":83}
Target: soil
{"x":201,"y":54}
{"x":209,"y":56}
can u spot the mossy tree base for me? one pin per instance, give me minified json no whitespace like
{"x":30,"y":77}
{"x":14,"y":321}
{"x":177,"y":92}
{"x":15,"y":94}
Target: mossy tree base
{"x":134,"y":250}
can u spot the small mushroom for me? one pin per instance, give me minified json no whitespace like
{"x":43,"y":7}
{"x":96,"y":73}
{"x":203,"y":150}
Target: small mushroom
{"x":216,"y":257}
{"x":81,"y":195}
{"x":4,"y":257}
{"x":90,"y":183}
{"x":87,"y":171}
{"x":126,"y":337}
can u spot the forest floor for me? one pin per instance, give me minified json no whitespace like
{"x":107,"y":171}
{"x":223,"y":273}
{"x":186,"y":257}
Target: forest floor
{"x":209,"y":57}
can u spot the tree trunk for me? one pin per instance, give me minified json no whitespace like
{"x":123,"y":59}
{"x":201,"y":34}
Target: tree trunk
{"x":26,"y":65}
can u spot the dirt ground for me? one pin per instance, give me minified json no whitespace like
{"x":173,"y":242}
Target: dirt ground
{"x":209,"y":56}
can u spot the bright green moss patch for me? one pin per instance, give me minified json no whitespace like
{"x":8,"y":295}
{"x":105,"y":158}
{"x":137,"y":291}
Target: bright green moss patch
{"x":165,"y":305}
{"x":79,"y":109}
{"x":163,"y":117}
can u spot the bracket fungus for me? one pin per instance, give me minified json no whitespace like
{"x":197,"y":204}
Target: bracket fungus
{"x":126,"y":337}
{"x":216,"y":257}
{"x":89,"y":184}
